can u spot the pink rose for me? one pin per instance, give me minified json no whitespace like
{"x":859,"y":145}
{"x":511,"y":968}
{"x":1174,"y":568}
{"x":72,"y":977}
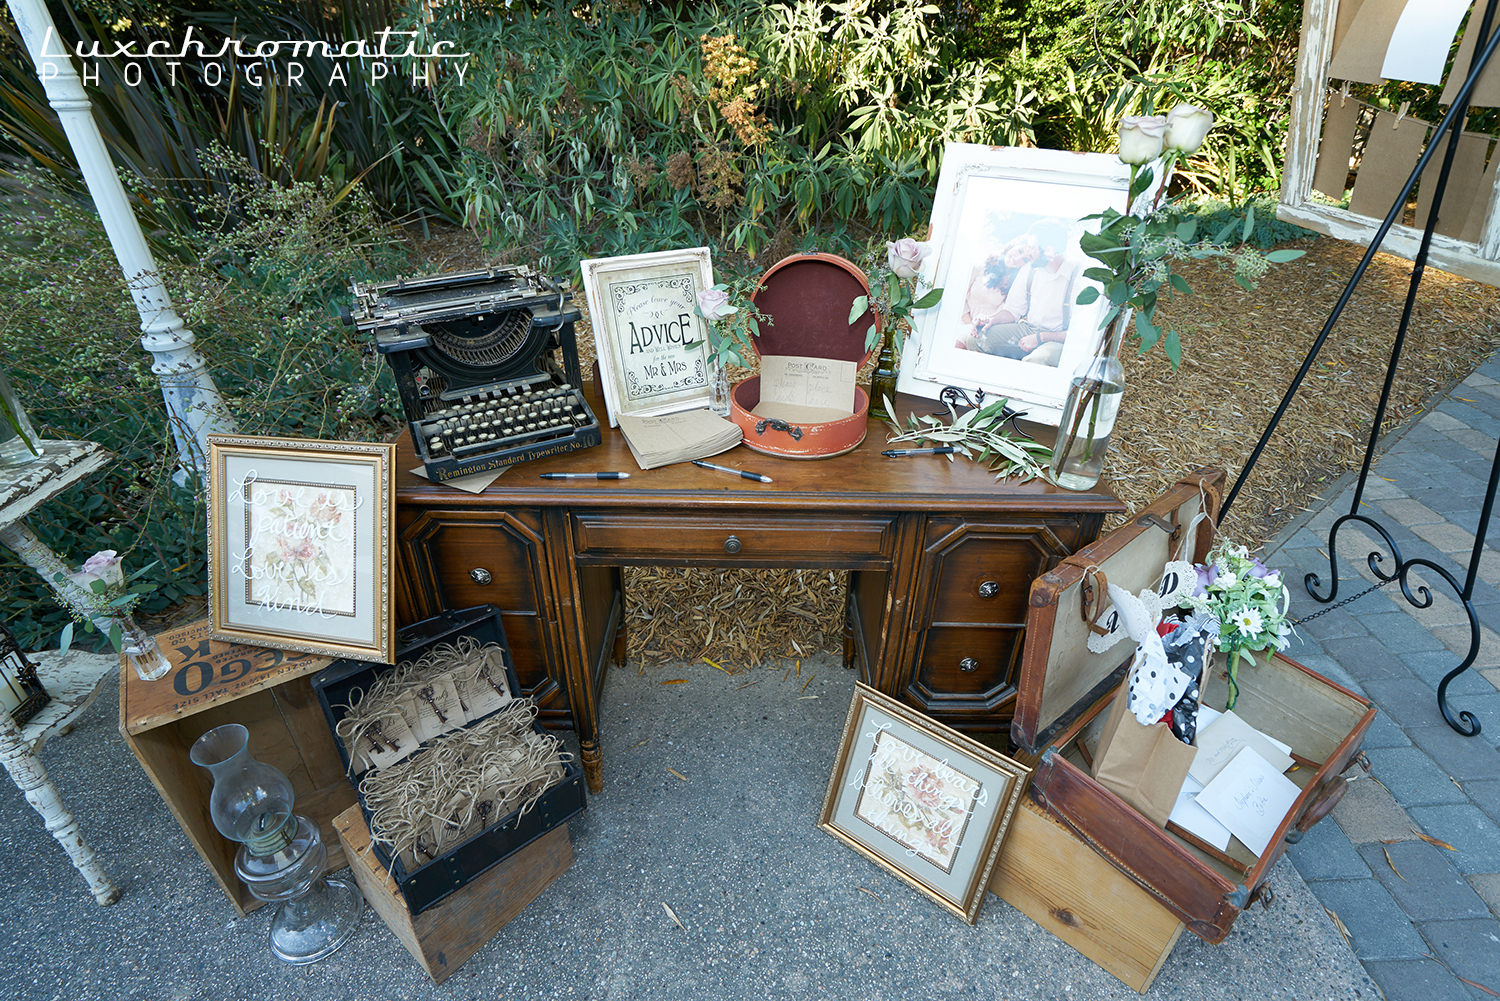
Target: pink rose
{"x":104,"y":565}
{"x":905,"y":257}
{"x":713,"y":303}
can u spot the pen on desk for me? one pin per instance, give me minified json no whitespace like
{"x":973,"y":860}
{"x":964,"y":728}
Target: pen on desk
{"x":897,"y":453}
{"x":757,"y":477}
{"x":585,"y":476}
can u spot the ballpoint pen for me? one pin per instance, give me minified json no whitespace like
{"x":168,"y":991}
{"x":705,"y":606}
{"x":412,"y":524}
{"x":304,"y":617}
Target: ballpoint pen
{"x":734,"y":472}
{"x":585,"y":476}
{"x":940,"y":450}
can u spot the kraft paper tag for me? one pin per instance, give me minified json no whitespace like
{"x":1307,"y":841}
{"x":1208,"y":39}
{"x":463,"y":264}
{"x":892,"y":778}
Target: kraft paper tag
{"x":1486,"y":92}
{"x":485,"y":694}
{"x":1331,"y":176}
{"x":450,"y":826}
{"x":1360,"y":53}
{"x":436,"y":704}
{"x":393,"y":743}
{"x":1463,"y":186}
{"x":1390,"y":154}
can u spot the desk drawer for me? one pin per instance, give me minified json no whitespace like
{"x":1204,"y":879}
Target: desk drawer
{"x":734,"y":538}
{"x":969,"y":666}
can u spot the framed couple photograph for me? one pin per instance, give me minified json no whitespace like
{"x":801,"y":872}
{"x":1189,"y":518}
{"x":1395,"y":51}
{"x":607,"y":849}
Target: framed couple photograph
{"x":921,"y":800}
{"x":300,"y":537}
{"x":644,"y":311}
{"x":1006,"y":224}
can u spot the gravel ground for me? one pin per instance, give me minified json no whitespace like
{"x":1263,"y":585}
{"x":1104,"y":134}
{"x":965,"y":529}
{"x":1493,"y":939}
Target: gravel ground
{"x":773,"y":907}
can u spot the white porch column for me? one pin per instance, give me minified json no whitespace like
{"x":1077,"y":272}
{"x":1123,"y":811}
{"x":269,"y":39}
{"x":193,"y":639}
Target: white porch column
{"x":194,"y":406}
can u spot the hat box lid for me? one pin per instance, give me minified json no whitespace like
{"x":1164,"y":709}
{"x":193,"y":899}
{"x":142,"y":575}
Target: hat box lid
{"x":807,"y":298}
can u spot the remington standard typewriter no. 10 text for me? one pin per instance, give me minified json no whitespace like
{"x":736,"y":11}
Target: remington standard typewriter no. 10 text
{"x":476,"y":360}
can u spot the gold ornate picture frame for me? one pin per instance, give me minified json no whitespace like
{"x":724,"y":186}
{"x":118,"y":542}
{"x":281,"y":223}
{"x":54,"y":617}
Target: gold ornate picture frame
{"x":300,"y":542}
{"x":921,"y":800}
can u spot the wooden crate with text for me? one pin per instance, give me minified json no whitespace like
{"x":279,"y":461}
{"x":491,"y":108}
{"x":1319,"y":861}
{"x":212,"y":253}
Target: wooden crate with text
{"x":212,"y":683}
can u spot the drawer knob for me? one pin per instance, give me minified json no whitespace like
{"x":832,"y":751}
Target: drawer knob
{"x":732,"y":545}
{"x":480,"y":575}
{"x":989,"y":589}
{"x":968,"y":664}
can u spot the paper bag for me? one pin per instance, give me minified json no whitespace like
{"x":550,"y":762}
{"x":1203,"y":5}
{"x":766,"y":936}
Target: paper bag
{"x":1143,"y":765}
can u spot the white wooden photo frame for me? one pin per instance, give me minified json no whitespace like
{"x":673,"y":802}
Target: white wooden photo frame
{"x":1006,"y":224}
{"x":643,"y":310}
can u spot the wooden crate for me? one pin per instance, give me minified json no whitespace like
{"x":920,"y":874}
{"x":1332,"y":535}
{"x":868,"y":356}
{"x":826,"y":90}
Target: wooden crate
{"x":212,"y":683}
{"x":1069,"y":889}
{"x":443,"y":937}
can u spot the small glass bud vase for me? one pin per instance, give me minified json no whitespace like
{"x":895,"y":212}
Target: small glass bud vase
{"x":141,"y":651}
{"x":718,"y":387}
{"x":18,"y":442}
{"x":1089,"y":414}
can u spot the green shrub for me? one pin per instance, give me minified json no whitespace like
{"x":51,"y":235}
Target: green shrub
{"x":262,"y":303}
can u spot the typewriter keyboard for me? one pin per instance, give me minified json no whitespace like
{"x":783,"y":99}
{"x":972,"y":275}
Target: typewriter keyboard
{"x":488,"y":420}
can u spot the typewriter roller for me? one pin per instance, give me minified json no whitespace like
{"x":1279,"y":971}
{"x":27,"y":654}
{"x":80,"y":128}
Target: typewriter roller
{"x":476,"y":359}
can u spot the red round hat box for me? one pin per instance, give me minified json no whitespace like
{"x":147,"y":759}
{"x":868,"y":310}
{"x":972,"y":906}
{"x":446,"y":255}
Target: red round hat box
{"x":808,"y":298}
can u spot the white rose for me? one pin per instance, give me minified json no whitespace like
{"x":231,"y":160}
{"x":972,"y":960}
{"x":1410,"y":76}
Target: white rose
{"x":905,"y":256}
{"x":1187,"y":124}
{"x":714,"y":304}
{"x":1141,"y":138}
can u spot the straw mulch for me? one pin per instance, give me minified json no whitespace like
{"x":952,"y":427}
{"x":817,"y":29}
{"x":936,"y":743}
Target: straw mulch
{"x":1241,"y":351}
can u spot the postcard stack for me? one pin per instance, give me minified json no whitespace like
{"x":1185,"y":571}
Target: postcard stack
{"x":688,"y":434}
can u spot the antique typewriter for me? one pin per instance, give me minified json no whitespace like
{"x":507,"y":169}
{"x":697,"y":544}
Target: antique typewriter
{"x":476,"y":359}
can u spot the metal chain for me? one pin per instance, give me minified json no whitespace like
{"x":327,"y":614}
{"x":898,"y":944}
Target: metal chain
{"x":1352,"y":597}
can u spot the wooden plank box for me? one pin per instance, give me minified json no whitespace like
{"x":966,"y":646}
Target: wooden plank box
{"x":1062,"y":884}
{"x":442,"y":938}
{"x":1065,"y":690}
{"x":212,"y":683}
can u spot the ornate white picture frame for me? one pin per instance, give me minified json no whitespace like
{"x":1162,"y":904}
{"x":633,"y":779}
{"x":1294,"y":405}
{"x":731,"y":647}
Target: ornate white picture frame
{"x":1006,"y":224}
{"x":643,"y":310}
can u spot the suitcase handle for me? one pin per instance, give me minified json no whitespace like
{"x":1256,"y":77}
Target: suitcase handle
{"x":1321,"y":806}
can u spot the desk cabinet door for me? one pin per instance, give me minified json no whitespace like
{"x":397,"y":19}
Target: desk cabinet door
{"x":457,"y":559}
{"x":973,"y":588}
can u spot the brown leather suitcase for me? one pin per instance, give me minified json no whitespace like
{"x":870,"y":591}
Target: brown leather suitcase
{"x":1065,"y":690}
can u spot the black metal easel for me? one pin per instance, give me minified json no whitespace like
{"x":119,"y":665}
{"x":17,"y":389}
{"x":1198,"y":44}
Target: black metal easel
{"x":1464,"y":722}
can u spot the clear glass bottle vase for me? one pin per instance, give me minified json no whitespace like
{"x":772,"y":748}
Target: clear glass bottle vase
{"x":718,"y":387}
{"x":18,"y":442}
{"x":883,"y":378}
{"x":141,"y":651}
{"x":1089,"y":414}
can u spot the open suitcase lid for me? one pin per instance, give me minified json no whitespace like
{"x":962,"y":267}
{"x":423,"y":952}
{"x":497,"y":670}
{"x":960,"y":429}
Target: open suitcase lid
{"x":808,"y":298}
{"x":1060,"y":676}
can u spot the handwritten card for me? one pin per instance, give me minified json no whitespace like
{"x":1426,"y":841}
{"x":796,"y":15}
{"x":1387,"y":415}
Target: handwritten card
{"x":808,"y":382}
{"x":1251,"y":798}
{"x":1191,"y":817}
{"x":1222,"y":739}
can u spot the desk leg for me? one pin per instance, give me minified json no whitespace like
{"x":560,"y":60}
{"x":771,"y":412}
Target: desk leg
{"x":31,"y":778}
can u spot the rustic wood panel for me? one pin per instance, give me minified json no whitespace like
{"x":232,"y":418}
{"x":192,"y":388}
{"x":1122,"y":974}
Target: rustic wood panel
{"x":443,"y":937}
{"x":1066,"y":887}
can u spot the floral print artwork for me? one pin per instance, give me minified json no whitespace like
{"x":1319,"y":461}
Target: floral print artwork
{"x":916,"y":800}
{"x":300,"y":555}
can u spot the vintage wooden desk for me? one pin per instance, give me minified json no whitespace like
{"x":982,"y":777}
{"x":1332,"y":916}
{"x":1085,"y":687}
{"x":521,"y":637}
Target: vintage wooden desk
{"x":942,"y":555}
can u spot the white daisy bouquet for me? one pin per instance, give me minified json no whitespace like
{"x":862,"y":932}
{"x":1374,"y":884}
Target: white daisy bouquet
{"x":1248,"y":603}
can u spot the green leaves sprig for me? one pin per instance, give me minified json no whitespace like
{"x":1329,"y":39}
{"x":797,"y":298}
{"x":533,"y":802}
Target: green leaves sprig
{"x":980,"y":435}
{"x":113,"y":601}
{"x":1135,"y":253}
{"x":895,"y":306}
